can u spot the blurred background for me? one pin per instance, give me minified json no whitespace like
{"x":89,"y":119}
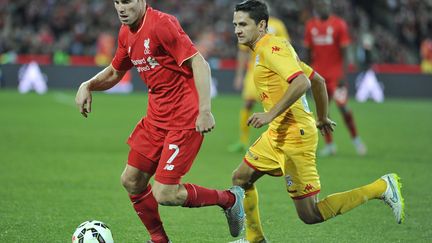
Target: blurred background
{"x":64,"y":28}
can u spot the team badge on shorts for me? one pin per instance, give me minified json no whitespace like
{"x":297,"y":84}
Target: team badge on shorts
{"x":288,"y":180}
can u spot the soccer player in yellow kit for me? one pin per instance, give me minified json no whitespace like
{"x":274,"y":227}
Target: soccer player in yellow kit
{"x":244,"y":81}
{"x":288,"y":147}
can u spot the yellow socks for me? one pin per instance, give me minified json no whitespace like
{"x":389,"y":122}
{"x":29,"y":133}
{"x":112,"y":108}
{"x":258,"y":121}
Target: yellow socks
{"x":343,"y":202}
{"x":254,"y":232}
{"x":244,"y":128}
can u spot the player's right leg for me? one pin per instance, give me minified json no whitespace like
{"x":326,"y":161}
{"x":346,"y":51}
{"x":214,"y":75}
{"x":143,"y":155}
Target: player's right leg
{"x":136,"y":184}
{"x":146,"y":142}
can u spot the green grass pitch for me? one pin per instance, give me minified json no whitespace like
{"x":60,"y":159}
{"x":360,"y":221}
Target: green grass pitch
{"x":58,"y":169}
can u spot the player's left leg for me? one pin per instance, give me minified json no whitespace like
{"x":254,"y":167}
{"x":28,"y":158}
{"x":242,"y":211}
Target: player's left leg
{"x":178,"y":153}
{"x":311,"y":210}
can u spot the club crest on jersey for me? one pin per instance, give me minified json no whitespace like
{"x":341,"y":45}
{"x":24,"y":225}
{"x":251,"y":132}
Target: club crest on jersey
{"x":147,"y":46}
{"x":275,"y":49}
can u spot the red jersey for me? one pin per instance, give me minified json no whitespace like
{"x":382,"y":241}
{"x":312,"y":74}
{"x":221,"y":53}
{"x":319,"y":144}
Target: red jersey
{"x":158,"y":50}
{"x":325,"y":39}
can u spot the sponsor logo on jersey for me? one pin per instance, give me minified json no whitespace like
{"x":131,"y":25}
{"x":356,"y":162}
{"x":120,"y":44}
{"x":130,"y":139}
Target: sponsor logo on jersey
{"x":144,"y":64}
{"x":322,"y":39}
{"x":275,"y":49}
{"x":308,"y":188}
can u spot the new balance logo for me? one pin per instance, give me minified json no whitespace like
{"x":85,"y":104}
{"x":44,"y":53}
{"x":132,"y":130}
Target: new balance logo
{"x":169,"y":167}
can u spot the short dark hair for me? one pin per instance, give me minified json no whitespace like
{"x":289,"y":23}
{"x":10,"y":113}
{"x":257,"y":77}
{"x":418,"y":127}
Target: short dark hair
{"x":256,"y":9}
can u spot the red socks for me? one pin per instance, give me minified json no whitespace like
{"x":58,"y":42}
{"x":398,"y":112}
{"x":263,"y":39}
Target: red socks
{"x":146,"y":208}
{"x":349,"y":122}
{"x":200,"y":197}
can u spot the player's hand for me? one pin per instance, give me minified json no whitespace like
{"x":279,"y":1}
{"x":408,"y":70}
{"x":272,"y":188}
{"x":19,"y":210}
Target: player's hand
{"x":238,"y":83}
{"x":205,"y":122}
{"x":260,"y":119}
{"x":325,"y":125}
{"x":83,"y":100}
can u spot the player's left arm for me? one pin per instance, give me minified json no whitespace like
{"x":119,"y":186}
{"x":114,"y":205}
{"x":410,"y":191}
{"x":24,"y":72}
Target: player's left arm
{"x":295,"y":90}
{"x":202,"y":75}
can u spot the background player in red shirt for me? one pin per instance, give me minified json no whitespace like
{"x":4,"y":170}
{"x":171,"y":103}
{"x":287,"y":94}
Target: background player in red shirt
{"x":166,"y":141}
{"x":327,"y":39}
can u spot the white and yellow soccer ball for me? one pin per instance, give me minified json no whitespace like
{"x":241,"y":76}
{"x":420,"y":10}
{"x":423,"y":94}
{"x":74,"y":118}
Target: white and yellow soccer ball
{"x":92,"y":231}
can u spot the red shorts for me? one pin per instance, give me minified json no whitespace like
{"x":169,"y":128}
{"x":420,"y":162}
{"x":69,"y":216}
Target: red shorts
{"x":331,"y":85}
{"x":168,"y":154}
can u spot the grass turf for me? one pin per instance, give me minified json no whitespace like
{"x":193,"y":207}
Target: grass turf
{"x":59,"y":169}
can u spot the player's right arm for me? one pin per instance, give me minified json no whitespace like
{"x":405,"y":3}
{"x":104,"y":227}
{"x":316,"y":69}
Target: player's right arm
{"x":104,"y":80}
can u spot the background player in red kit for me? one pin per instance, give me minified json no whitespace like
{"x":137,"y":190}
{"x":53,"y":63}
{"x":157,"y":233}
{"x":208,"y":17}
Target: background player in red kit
{"x":165,"y":142}
{"x":327,"y":39}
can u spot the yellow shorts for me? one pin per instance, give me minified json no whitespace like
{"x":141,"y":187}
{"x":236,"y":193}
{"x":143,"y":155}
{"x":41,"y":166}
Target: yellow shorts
{"x":249,"y":91}
{"x":292,"y":158}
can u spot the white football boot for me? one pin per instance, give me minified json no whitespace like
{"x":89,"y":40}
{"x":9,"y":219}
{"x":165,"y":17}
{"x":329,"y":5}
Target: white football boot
{"x":393,"y":196}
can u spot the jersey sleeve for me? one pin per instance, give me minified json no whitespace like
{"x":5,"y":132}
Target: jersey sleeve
{"x":121,"y":60}
{"x":174,"y":40}
{"x":282,"y":59}
{"x":307,"y":70}
{"x":344,"y":34}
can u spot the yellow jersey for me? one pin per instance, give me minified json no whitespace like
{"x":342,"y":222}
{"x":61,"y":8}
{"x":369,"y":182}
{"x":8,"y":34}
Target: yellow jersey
{"x":276,"y":65}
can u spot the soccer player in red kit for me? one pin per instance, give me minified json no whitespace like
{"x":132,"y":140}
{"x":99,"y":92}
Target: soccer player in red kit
{"x":167,"y":140}
{"x":327,"y":39}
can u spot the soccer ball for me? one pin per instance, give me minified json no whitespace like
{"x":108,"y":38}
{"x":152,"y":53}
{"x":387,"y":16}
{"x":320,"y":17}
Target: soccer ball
{"x":92,"y":231}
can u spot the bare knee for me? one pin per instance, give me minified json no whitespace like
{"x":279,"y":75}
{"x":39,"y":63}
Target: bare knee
{"x":240,"y":179}
{"x":310,"y":218}
{"x":169,"y":196}
{"x":308,"y":211}
{"x":133,"y":184}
